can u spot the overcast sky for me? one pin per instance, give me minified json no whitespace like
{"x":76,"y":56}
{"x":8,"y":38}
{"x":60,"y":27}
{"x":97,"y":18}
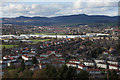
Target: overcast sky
{"x":59,"y":8}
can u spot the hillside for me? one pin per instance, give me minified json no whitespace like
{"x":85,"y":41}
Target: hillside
{"x":60,"y":20}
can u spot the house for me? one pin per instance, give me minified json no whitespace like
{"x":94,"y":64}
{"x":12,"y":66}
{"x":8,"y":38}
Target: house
{"x":59,"y":49}
{"x":74,"y":61}
{"x":5,"y":61}
{"x":111,"y":50}
{"x":54,"y":57}
{"x":6,"y":57}
{"x":72,"y":64}
{"x":101,"y":65}
{"x":99,"y":60}
{"x":58,"y":54}
{"x":118,"y":71}
{"x":25,"y":57}
{"x":16,"y":64}
{"x":30,"y":54}
{"x":58,"y":64}
{"x":14,"y":56}
{"x":60,"y":60}
{"x":105,"y":52}
{"x":45,"y":55}
{"x":81,"y":58}
{"x":78,"y":70}
{"x":25,"y":51}
{"x":28,"y":63}
{"x":51,"y":52}
{"x":81,"y":66}
{"x":88,"y":63}
{"x":8,"y":60}
{"x":42,"y":65}
{"x":13,"y":59}
{"x":33,"y":51}
{"x":94,"y":71}
{"x":44,"y":61}
{"x":40,"y":58}
{"x":34,"y":67}
{"x":3,"y":65}
{"x":113,"y":62}
{"x":112,"y":66}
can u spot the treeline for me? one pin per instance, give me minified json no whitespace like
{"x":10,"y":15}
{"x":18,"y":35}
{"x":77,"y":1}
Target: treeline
{"x":52,"y":73}
{"x":49,"y":72}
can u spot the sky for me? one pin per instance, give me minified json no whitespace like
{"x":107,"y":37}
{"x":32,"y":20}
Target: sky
{"x":52,"y":8}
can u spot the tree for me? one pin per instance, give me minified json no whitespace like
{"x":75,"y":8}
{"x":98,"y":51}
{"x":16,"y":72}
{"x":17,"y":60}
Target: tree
{"x":40,"y":74}
{"x":50,"y":71}
{"x":113,"y":75}
{"x":22,"y":66}
{"x":11,"y":74}
{"x":26,"y":74}
{"x":66,"y":73}
{"x":6,"y":74}
{"x":12,"y":66}
{"x":34,"y":60}
{"x":61,"y":71}
{"x":83,"y":74}
{"x":69,"y":74}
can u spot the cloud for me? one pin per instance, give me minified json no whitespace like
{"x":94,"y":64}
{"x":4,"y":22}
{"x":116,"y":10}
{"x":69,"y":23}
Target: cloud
{"x":94,"y":3}
{"x":96,"y":7}
{"x":59,"y":0}
{"x":50,"y":9}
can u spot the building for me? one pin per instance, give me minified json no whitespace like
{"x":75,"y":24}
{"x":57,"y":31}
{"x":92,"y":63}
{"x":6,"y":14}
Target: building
{"x":74,"y":61}
{"x":42,"y":65}
{"x":101,"y":65}
{"x":72,"y":64}
{"x":45,"y":55}
{"x":99,"y":60}
{"x":113,"y":62}
{"x":25,"y":57}
{"x":58,"y":64}
{"x":112,"y":66}
{"x":58,"y":54}
{"x":81,"y":66}
{"x":88,"y":63}
{"x":60,"y":60}
{"x":94,"y":71}
{"x":8,"y":60}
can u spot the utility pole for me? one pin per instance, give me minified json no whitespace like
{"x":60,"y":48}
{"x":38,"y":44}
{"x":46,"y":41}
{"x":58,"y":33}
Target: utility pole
{"x":56,"y":36}
{"x":78,"y":30}
{"x":107,"y":70}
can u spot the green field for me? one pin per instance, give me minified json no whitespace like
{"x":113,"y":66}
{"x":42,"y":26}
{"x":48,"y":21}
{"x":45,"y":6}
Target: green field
{"x":49,"y":33}
{"x":42,"y":40}
{"x":7,"y":46}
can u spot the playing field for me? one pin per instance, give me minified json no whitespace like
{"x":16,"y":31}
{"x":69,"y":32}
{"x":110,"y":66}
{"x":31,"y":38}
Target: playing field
{"x":42,"y":40}
{"x":7,"y":46}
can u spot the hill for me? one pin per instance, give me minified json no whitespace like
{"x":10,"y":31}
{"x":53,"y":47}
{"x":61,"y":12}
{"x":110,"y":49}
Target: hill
{"x":61,"y":20}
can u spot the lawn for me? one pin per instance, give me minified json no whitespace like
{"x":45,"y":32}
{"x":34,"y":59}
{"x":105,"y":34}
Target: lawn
{"x":7,"y":46}
{"x":48,"y":33}
{"x":42,"y":40}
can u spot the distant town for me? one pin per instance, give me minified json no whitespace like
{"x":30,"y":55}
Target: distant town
{"x":29,"y":51}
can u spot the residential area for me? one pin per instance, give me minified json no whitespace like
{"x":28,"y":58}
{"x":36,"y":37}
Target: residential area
{"x":95,"y":53}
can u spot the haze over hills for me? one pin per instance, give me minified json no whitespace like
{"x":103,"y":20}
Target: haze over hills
{"x":61,"y":20}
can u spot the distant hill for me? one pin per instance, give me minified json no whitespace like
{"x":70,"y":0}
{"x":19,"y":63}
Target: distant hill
{"x":60,"y":20}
